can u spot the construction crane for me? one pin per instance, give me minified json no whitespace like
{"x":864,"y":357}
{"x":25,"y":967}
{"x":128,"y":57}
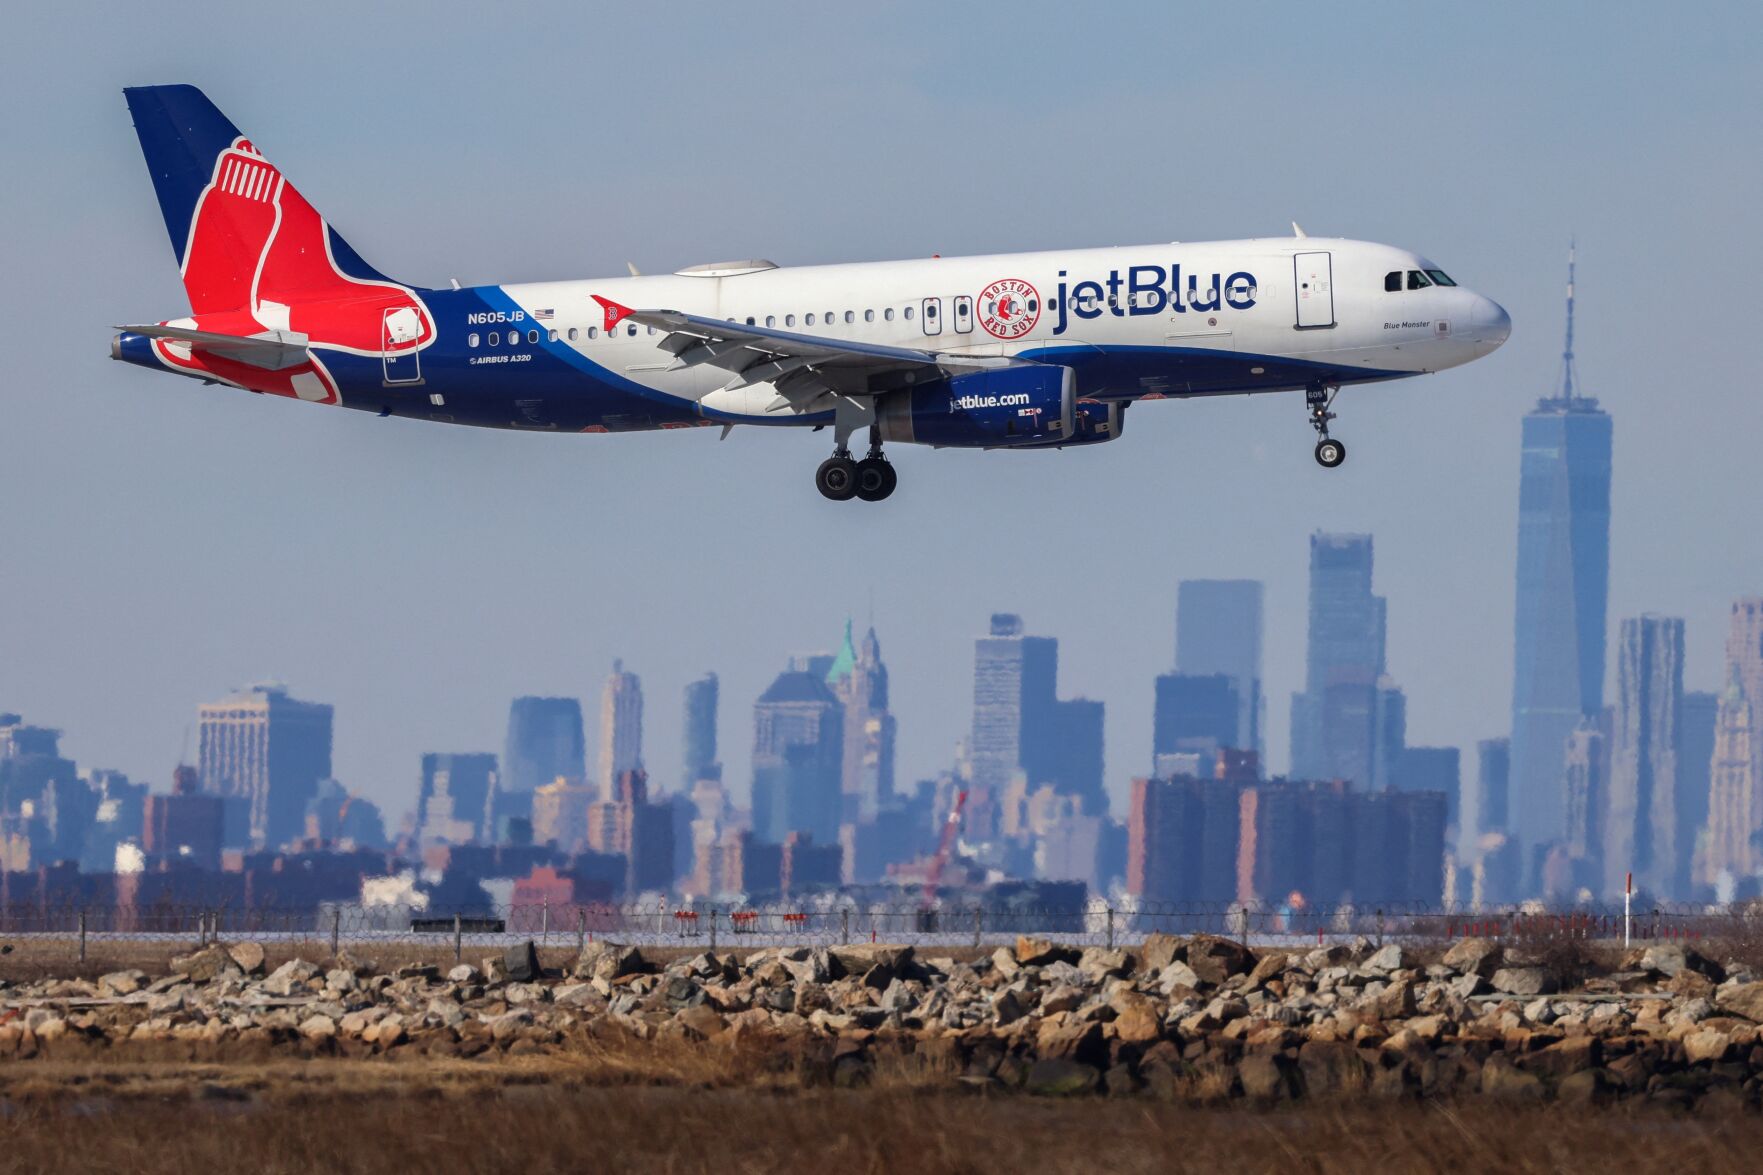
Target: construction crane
{"x":934,"y":875}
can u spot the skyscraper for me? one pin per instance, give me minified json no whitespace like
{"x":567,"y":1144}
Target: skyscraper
{"x":1019,"y":723}
{"x":700,"y":731}
{"x":1586,"y":806}
{"x":453,"y":804}
{"x":1389,"y":741}
{"x":1563,"y":586}
{"x":798,"y":757}
{"x":1334,"y":721}
{"x":1014,"y":688}
{"x":1640,"y":828}
{"x":266,"y":751}
{"x":1434,"y":769}
{"x":1735,"y":792}
{"x":1695,"y":758}
{"x":621,"y":727}
{"x":1218,"y":630}
{"x":1196,"y":713}
{"x":544,"y":742}
{"x":860,"y":681}
{"x":1492,"y":774}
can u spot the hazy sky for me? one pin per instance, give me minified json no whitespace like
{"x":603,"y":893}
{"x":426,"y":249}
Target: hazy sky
{"x":165,"y":542}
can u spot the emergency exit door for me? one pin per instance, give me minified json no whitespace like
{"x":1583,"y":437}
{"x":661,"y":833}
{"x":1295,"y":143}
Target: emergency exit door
{"x":1313,"y":280}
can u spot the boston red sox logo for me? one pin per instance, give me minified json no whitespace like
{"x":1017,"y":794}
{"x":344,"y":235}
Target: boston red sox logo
{"x":1009,"y":308}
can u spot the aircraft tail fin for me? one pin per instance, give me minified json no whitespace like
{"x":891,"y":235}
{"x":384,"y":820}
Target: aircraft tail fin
{"x":244,"y":237}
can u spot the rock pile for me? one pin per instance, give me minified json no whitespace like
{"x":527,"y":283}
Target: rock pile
{"x":1198,"y":1018}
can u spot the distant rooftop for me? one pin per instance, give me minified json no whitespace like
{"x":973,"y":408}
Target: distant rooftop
{"x":1587,"y":405}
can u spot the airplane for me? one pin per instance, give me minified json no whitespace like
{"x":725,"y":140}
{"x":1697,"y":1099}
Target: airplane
{"x":1015,"y":351}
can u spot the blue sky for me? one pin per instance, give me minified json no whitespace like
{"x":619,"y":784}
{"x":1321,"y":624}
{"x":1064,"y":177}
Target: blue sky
{"x":165,"y":542}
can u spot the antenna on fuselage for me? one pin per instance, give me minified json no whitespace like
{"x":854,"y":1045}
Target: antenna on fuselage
{"x":632,"y":266}
{"x":1298,"y":232}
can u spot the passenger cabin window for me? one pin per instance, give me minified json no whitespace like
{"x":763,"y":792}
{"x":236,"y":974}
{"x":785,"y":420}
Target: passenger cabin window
{"x":631,"y":330}
{"x":572,"y":334}
{"x":553,"y":336}
{"x":593,"y":332}
{"x":1417,"y":280}
{"x":495,"y":337}
{"x":789,"y":320}
{"x":1439,"y":278}
{"x":888,"y":314}
{"x":908,"y":313}
{"x":850,"y":316}
{"x":750,"y":321}
{"x":1392,"y":281}
{"x":471,"y":340}
{"x":532,"y":336}
{"x":869,"y":316}
{"x":808,"y":320}
{"x":771,"y":320}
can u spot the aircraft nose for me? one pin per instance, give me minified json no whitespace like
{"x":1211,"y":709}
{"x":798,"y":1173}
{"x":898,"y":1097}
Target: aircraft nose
{"x":1493,"y":326}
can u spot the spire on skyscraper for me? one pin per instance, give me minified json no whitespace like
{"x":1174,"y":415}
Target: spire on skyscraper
{"x":1570,"y":397}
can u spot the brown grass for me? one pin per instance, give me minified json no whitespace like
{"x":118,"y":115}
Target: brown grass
{"x":557,"y":1126}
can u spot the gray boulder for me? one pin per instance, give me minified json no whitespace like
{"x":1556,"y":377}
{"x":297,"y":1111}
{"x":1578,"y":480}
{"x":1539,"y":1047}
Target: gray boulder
{"x":1522,"y":981}
{"x":522,"y":962}
{"x":290,"y":977}
{"x":1473,"y":956}
{"x":608,"y":961}
{"x":246,"y":956}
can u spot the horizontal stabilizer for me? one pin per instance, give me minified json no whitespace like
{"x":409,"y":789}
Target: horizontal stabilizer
{"x":272,"y":350}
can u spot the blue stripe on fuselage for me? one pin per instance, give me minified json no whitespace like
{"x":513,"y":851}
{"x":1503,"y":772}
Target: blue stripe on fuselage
{"x":554,"y":386}
{"x":1131,"y":371}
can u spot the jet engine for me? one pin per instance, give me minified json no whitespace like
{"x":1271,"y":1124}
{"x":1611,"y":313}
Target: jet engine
{"x":1025,"y":404}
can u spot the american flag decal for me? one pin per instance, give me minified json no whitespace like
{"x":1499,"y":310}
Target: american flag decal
{"x":544,"y":315}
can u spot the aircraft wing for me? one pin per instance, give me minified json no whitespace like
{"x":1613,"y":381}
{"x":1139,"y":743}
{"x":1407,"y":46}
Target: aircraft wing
{"x":802,"y":366}
{"x":273,"y":350}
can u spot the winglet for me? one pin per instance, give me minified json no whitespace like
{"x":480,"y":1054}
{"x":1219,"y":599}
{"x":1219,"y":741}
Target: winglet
{"x":615,"y":313}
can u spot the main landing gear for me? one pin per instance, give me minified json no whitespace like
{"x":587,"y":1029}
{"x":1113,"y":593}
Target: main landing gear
{"x":841,"y":478}
{"x":1329,"y":452}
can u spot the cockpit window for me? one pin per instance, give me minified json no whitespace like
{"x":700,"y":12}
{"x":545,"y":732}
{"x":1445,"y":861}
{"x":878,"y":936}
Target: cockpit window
{"x":1439,"y":276}
{"x":1417,"y":280}
{"x":1392,"y":281}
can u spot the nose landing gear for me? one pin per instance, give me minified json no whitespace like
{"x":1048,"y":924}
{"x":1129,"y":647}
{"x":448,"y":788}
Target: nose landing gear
{"x":1329,"y":452}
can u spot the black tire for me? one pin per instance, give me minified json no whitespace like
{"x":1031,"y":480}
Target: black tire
{"x":1330,"y":453}
{"x":876,"y":479}
{"x":837,"y":478}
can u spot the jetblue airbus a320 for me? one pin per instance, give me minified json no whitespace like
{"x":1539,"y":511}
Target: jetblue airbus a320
{"x":1019,"y":351}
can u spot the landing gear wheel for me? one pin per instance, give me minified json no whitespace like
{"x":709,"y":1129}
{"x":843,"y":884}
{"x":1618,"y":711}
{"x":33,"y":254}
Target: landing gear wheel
{"x":837,"y":478}
{"x":876,"y":479}
{"x":1330,"y":453}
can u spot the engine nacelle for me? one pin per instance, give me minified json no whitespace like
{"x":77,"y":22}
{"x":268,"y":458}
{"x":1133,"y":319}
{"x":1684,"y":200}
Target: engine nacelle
{"x":1002,"y":407}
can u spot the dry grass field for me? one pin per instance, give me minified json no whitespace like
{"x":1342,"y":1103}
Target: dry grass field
{"x":348,"y":1127}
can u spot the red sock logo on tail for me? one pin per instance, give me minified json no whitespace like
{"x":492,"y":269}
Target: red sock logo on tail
{"x":257,"y":247}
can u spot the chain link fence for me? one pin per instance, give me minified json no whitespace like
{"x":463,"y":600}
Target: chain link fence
{"x":334,"y":926}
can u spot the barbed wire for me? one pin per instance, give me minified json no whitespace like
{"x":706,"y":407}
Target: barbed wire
{"x":1097,"y":923}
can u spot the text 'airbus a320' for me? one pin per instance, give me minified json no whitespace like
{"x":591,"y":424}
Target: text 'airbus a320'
{"x":1016,"y":351}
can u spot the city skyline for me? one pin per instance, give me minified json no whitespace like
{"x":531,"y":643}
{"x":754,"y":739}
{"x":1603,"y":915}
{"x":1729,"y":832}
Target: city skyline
{"x":187,"y":493}
{"x":1665,"y":739}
